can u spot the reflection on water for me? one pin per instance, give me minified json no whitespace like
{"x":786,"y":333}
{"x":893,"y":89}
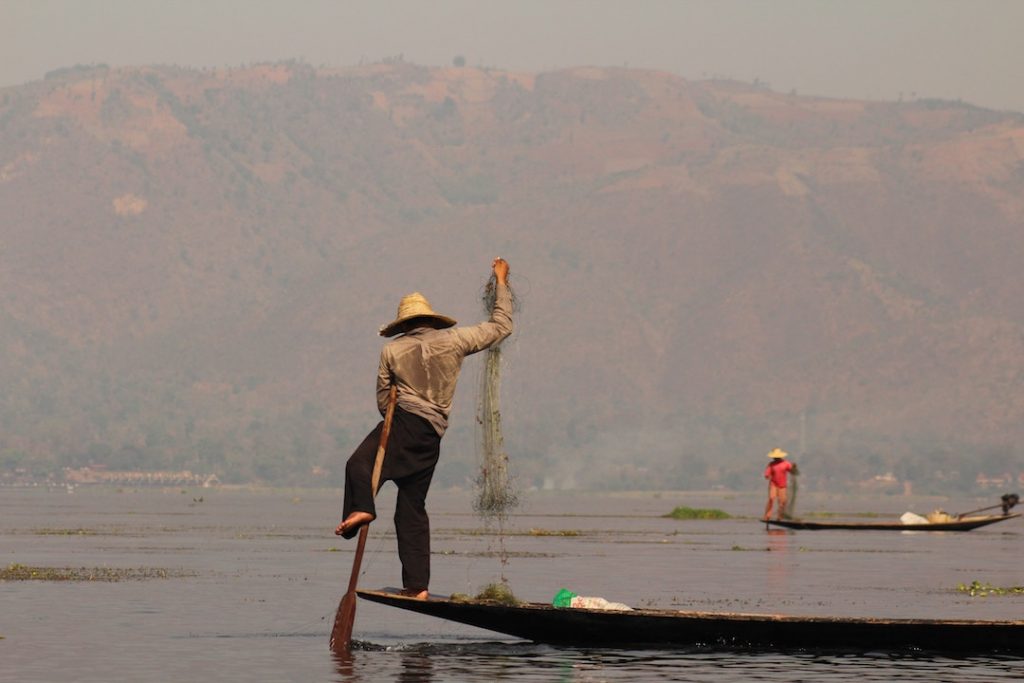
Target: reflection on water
{"x":426,"y":662}
{"x":255,"y":579}
{"x":779,"y":561}
{"x":416,"y":667}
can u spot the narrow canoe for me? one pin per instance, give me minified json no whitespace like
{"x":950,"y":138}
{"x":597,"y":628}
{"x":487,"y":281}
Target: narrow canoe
{"x":542,"y":623}
{"x":964,"y":524}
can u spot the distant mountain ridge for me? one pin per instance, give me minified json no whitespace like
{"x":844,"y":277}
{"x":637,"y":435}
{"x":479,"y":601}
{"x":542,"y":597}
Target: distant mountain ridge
{"x":195,"y":262}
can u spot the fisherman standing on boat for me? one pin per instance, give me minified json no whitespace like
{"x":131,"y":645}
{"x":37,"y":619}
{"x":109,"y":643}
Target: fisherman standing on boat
{"x":776,"y":473}
{"x":424,"y":364}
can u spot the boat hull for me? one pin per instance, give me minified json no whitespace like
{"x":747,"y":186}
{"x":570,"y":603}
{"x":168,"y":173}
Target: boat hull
{"x":543,"y":623}
{"x":965,"y":524}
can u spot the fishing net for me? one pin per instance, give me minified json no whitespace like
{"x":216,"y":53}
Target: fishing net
{"x":496,"y":493}
{"x":794,"y":481}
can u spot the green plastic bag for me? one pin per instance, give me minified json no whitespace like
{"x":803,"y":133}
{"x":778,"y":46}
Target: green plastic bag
{"x":563,"y":598}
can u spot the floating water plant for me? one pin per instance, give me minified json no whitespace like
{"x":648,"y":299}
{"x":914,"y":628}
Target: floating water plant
{"x":21,"y":572}
{"x":976,"y":589}
{"x":683,"y":512}
{"x":553,"y":532}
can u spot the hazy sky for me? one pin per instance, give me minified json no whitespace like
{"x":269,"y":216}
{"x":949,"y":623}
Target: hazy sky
{"x":874,"y":49}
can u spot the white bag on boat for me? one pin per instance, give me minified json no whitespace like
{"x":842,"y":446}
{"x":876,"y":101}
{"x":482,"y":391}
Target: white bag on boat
{"x":911,"y":518}
{"x":584,"y":602}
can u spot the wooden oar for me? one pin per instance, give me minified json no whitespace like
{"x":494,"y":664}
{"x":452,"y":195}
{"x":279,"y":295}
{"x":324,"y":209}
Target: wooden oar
{"x":1008,"y":501}
{"x":345,"y":617}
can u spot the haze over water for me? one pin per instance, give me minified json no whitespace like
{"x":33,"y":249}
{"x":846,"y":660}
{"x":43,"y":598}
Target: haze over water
{"x":192,"y":268}
{"x":254,"y":579}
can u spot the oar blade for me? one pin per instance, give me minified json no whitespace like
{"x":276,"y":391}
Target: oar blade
{"x":344,"y":619}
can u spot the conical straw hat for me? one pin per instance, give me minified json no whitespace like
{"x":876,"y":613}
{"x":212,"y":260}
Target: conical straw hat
{"x":777,"y":453}
{"x":411,"y":306}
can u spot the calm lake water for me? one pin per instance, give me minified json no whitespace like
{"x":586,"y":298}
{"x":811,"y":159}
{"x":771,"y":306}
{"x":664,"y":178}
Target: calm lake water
{"x":254,"y":578}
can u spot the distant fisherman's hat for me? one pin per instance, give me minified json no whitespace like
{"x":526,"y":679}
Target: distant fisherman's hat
{"x":777,"y":453}
{"x":411,"y":306}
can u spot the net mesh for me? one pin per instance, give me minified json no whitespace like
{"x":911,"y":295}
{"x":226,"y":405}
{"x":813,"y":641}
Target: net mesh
{"x":496,"y":492}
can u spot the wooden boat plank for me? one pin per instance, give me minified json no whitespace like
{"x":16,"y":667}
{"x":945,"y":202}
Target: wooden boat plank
{"x":965,"y":524}
{"x":543,"y":623}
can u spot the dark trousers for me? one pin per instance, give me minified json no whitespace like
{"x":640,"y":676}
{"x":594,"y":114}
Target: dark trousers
{"x":409,"y":461}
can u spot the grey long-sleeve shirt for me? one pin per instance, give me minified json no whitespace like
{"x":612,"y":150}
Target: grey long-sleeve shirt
{"x":425,"y":362}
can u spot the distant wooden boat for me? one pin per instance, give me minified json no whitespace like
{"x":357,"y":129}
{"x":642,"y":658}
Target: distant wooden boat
{"x":649,"y":628}
{"x":961,"y":524}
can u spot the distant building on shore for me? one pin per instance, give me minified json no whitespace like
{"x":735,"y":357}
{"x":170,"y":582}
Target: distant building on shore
{"x":88,"y":475}
{"x":998,"y":481}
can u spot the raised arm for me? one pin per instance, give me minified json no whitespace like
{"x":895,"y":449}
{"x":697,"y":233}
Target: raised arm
{"x":479,"y":337}
{"x":500,"y":268}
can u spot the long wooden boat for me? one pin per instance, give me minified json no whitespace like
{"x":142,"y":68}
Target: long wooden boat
{"x":962,"y":524}
{"x":652,"y":628}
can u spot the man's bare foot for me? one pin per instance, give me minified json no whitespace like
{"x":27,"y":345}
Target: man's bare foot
{"x":415,"y":594}
{"x":351,"y":524}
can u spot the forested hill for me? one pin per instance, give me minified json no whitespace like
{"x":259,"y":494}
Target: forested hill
{"x":195,"y":264}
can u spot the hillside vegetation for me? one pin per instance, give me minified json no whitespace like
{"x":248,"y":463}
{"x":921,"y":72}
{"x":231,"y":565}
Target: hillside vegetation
{"x":194,"y":265}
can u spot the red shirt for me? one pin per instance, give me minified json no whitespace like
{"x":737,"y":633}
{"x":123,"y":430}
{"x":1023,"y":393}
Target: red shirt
{"x":776,"y":472}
